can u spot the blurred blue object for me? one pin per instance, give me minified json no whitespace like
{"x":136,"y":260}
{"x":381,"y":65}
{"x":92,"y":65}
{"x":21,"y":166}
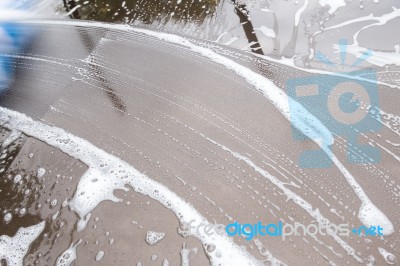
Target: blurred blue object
{"x":14,"y":35}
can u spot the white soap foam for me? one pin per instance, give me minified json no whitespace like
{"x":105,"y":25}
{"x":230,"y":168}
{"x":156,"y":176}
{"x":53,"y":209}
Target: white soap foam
{"x":165,"y":262}
{"x":295,"y":197}
{"x":185,"y":252}
{"x":267,"y":10}
{"x":266,"y":31}
{"x":298,"y":116}
{"x":397,"y":158}
{"x":82,"y":223}
{"x":153,"y":238}
{"x":73,"y":10}
{"x":389,"y":257}
{"x":283,"y":60}
{"x":220,"y":36}
{"x":68,"y":256}
{"x":93,"y":188}
{"x":13,"y":249}
{"x":99,"y":255}
{"x":379,"y":58}
{"x":381,"y":20}
{"x":118,"y":174}
{"x":13,"y":136}
{"x":267,"y":254}
{"x":7,"y":217}
{"x":232,"y":40}
{"x":41,"y":172}
{"x":333,"y":4}
{"x":368,"y":213}
{"x":301,"y":118}
{"x":291,"y":63}
{"x":299,"y":12}
{"x":17,"y":178}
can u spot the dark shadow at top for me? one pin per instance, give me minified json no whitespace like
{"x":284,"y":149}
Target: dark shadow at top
{"x":145,"y":11}
{"x":96,"y":70}
{"x":243,"y":13}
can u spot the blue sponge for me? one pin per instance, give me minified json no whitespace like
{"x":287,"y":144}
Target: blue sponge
{"x":13,"y":37}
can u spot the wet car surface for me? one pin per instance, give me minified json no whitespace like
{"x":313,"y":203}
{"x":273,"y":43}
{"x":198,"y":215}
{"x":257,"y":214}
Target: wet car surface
{"x":116,"y":135}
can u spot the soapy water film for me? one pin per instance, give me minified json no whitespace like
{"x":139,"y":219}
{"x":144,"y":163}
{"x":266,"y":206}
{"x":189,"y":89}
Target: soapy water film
{"x":128,"y":119}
